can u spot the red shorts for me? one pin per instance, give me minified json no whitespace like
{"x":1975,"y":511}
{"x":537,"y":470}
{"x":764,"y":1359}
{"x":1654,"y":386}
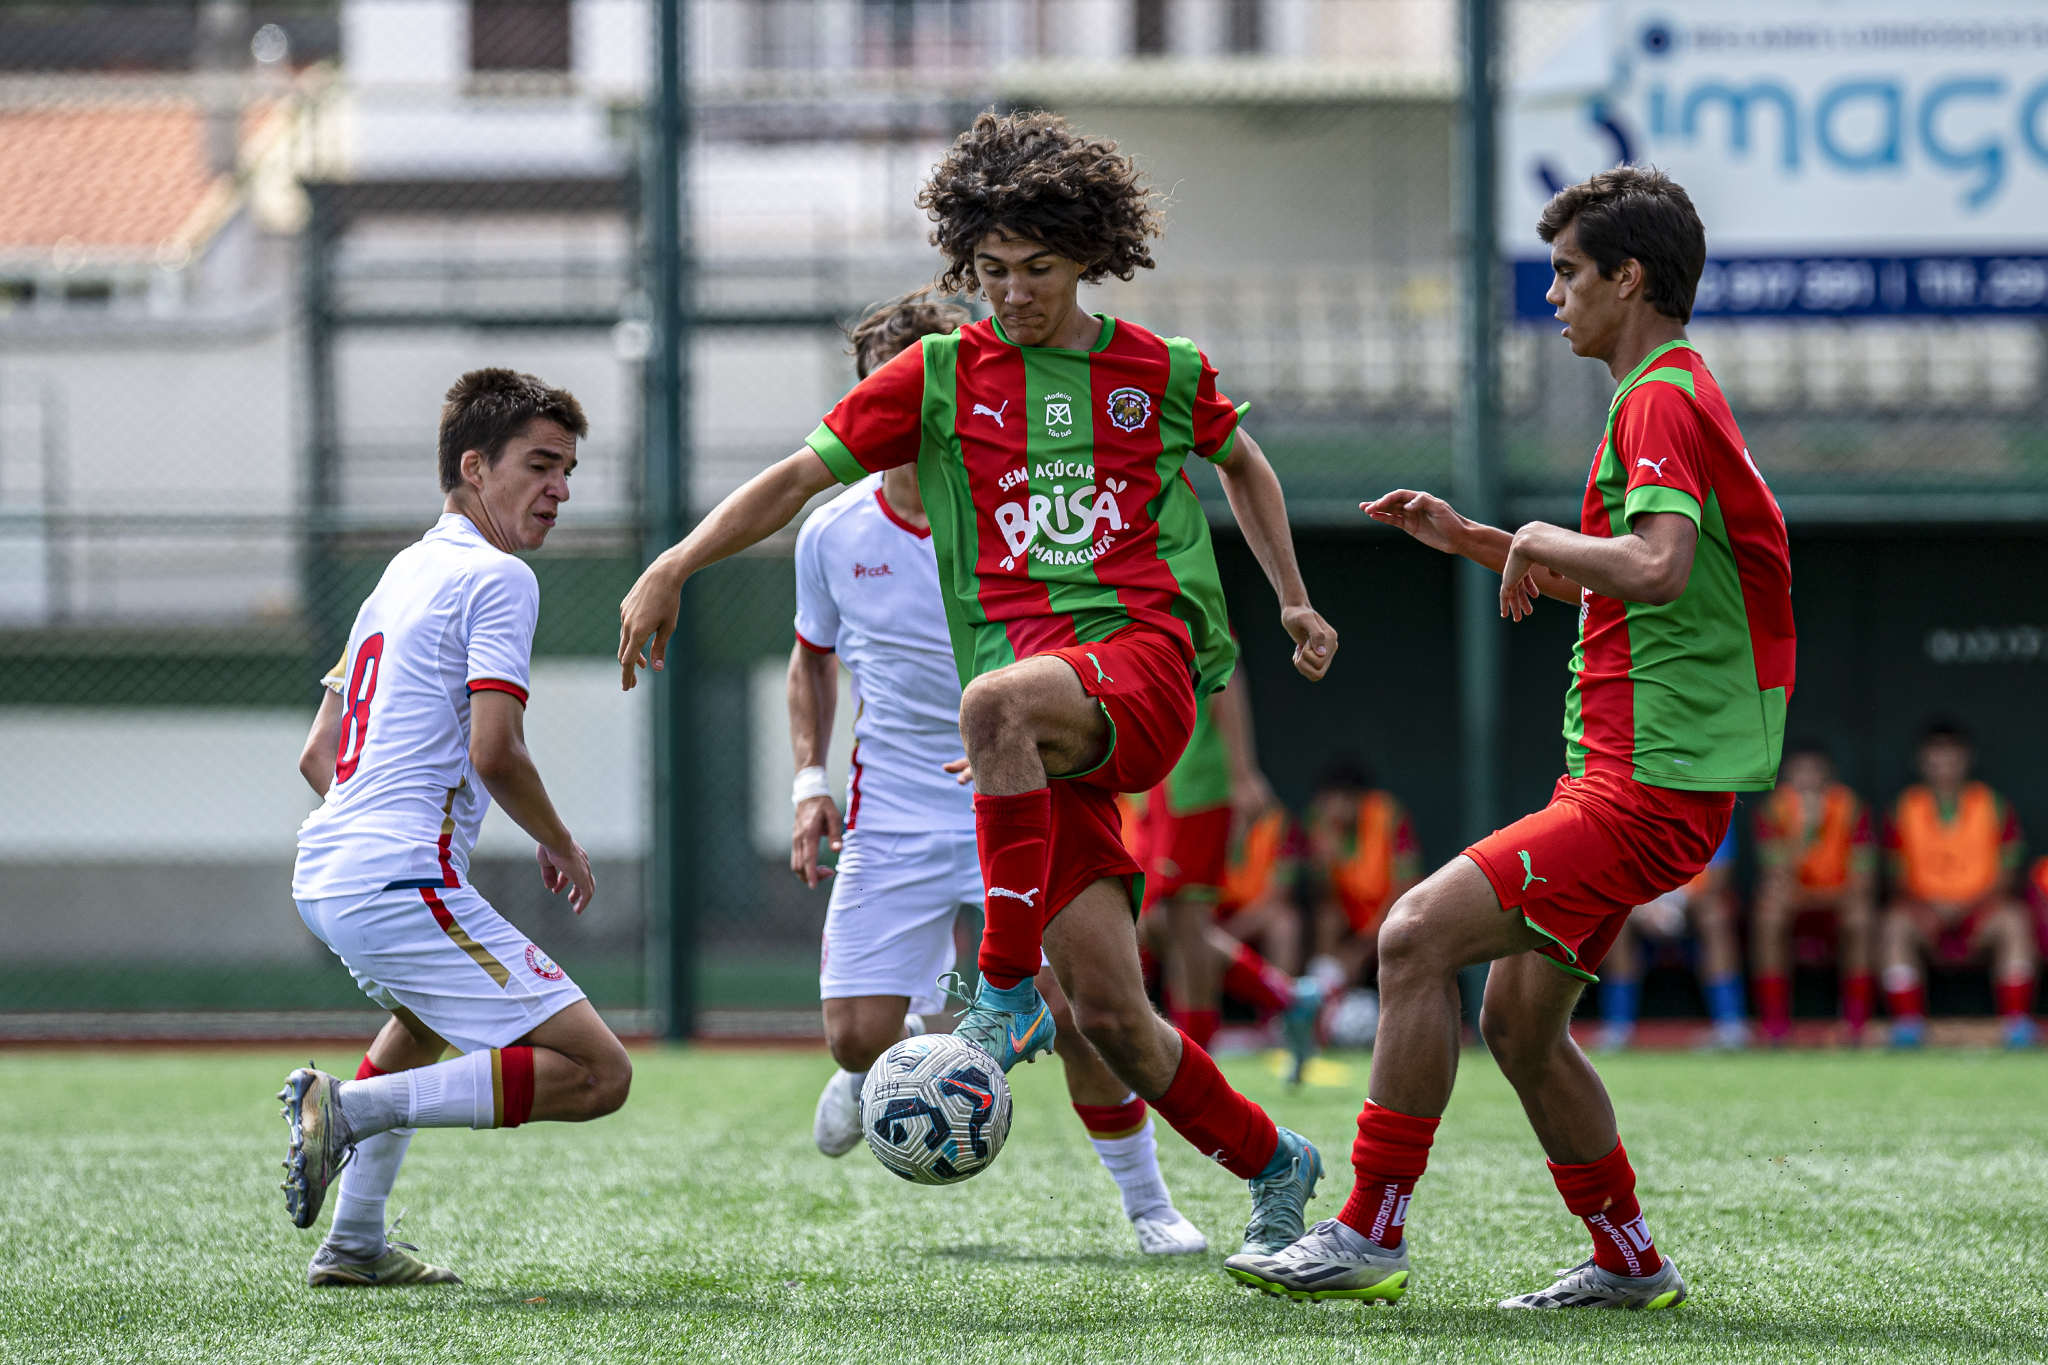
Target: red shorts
{"x":1953,"y":944}
{"x":1604,"y":845}
{"x":1141,"y":680}
{"x":1183,"y":852}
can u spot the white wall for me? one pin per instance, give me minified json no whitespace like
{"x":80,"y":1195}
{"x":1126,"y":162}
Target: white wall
{"x":425,"y":41}
{"x":199,"y":786}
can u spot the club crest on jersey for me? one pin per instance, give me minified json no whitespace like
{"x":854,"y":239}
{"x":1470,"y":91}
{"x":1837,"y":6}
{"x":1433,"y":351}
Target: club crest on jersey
{"x":1130,"y":409}
{"x":1059,"y":414}
{"x":541,"y":964}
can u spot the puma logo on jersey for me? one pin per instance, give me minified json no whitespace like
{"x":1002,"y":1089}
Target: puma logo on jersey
{"x":1655,"y":465}
{"x":1529,"y":877}
{"x":873,"y":571}
{"x":1025,"y":896}
{"x":984,"y":410}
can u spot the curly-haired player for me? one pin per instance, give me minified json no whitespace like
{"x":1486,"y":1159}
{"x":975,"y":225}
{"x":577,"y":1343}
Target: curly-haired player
{"x":1081,"y":594}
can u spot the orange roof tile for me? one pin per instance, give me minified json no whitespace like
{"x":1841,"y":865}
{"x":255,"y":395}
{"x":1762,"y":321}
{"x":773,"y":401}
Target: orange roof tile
{"x":122,"y":177}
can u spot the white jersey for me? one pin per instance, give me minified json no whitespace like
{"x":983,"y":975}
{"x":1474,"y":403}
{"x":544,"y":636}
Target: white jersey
{"x":452,"y":615}
{"x":867,"y":589}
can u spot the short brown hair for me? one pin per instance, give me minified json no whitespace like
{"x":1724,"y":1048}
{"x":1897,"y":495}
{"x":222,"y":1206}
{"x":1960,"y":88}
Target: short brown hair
{"x":1639,"y":213}
{"x":1031,"y":175}
{"x":889,"y":327}
{"x":487,"y":408}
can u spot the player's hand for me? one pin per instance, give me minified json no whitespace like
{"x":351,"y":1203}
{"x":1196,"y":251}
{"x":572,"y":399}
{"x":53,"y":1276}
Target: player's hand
{"x":649,"y":610}
{"x":817,"y":818}
{"x":1251,"y":796}
{"x":1518,"y":591}
{"x":1425,"y":516}
{"x":567,"y":869}
{"x":962,"y":770}
{"x":1315,"y":643}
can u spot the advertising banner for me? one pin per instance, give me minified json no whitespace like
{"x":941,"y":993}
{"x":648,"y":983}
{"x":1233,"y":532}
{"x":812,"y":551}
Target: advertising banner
{"x":1850,"y":158}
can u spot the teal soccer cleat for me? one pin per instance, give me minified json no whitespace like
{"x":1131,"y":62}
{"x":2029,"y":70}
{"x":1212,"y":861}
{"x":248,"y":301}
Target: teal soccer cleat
{"x":1011,"y":1025}
{"x":1280,"y":1193}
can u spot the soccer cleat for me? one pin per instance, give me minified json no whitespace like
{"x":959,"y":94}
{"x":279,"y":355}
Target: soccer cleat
{"x":2019,"y":1032}
{"x":1011,"y":1025}
{"x":1908,"y":1033}
{"x":1588,"y":1286}
{"x":1170,"y":1234}
{"x":320,"y":1142}
{"x":397,"y":1265}
{"x":836,"y":1125}
{"x":1279,"y":1196}
{"x":1298,"y":1025}
{"x":1328,"y":1262}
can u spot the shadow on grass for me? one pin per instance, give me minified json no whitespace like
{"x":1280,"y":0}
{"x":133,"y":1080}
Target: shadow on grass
{"x":981,"y":1254}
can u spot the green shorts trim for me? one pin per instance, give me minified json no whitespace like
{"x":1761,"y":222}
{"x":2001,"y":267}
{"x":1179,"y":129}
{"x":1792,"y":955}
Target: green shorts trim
{"x":1107,"y":754}
{"x":1565,"y":967}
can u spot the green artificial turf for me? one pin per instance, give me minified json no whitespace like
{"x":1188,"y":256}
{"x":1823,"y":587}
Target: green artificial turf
{"x":1825,"y":1207}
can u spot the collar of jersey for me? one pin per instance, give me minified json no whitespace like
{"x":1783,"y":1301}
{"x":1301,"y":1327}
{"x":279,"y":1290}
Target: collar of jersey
{"x":460,"y":525}
{"x":1642,"y":367}
{"x":1101,"y":342}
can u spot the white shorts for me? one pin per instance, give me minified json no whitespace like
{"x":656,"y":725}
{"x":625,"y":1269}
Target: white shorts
{"x":889,"y":930}
{"x":445,"y":955}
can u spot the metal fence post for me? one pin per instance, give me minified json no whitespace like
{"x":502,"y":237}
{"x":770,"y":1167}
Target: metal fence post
{"x":671,"y":856}
{"x":1477,"y":462}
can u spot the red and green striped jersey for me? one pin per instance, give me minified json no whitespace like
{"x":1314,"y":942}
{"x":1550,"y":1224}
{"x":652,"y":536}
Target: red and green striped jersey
{"x":1053,"y":479}
{"x":1691,"y":694}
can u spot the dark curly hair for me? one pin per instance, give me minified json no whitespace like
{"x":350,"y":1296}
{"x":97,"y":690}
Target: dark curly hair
{"x":889,"y":327}
{"x":1031,"y":175}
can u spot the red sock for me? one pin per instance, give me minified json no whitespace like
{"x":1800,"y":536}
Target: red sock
{"x":1389,"y":1154}
{"x":369,"y":1068}
{"x":2015,"y":996}
{"x":1105,"y":1121}
{"x":1603,"y":1193}
{"x":1012,"y":834}
{"x":1774,"y":1004}
{"x":512,"y":1080}
{"x":1904,"y":995}
{"x":1257,"y":982}
{"x":1222,"y":1124}
{"x":1856,"y":990}
{"x":1200,"y":1025}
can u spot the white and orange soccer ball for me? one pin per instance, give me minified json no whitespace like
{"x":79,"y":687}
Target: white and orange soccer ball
{"x":935,"y":1109}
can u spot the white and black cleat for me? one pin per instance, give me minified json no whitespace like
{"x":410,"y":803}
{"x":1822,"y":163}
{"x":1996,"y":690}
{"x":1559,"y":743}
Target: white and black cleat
{"x":1329,"y":1262}
{"x":1169,"y":1234}
{"x":320,"y":1142}
{"x":1588,"y":1286}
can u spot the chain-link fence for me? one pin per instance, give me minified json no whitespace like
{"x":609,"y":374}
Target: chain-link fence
{"x":245,"y":246}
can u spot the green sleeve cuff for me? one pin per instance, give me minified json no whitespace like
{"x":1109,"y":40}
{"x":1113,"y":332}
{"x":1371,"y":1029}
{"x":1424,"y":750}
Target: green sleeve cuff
{"x":1655,"y":497}
{"x":836,"y":456}
{"x":1230,"y":443}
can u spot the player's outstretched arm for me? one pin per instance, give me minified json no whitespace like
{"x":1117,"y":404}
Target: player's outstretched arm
{"x":497,"y":750}
{"x":813,"y":698}
{"x":1438,"y":525}
{"x":1650,"y":564}
{"x":316,"y":760}
{"x":754,"y":511}
{"x":1260,"y":507}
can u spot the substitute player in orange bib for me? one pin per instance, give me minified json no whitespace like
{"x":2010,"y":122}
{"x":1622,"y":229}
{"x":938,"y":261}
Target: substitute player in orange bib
{"x":1815,"y":853}
{"x":1081,"y":590}
{"x":1680,"y":680}
{"x":1955,"y":850}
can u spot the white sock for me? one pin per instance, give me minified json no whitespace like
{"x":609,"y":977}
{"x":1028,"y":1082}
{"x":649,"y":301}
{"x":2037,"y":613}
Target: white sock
{"x":358,"y":1228}
{"x":854,"y":1081}
{"x":1133,"y":1162}
{"x":451,"y":1094}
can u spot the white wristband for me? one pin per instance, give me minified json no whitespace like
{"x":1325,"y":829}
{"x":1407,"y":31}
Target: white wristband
{"x":809,"y":782}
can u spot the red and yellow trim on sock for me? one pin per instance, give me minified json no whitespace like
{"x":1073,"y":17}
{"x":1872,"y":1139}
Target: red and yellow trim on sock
{"x":511,"y":1086}
{"x":1107,"y":1122}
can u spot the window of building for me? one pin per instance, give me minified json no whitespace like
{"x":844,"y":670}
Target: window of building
{"x":1247,"y":26}
{"x":519,"y":35}
{"x":1148,"y":38}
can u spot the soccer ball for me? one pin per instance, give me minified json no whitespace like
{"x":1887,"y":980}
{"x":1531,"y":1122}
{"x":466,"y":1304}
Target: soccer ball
{"x":1355,"y":1022}
{"x":935,"y":1109}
